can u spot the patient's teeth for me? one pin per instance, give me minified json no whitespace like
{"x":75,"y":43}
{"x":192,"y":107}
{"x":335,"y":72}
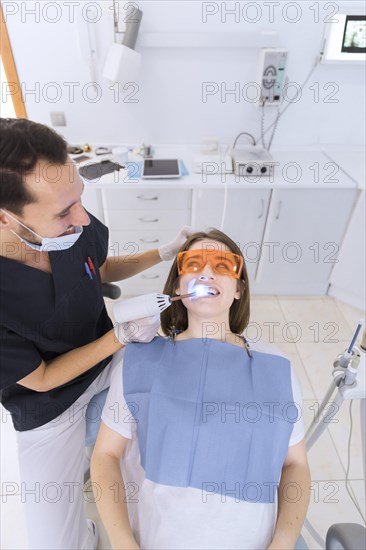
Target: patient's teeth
{"x":213,"y":291}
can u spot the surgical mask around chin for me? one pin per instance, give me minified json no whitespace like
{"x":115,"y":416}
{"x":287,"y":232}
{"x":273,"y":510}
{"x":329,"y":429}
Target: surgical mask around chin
{"x":48,"y":244}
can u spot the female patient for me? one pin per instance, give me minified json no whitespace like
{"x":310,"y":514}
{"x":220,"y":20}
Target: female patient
{"x":202,"y":434}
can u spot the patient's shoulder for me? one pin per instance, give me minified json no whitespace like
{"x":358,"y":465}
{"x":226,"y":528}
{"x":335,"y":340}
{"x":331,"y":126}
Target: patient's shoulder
{"x":264,"y":347}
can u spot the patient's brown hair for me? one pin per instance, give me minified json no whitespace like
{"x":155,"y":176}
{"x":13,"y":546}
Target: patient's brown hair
{"x":175,"y":318}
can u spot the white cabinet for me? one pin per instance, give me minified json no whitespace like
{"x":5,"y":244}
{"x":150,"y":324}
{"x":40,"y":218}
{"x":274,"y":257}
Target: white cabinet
{"x":245,"y":218}
{"x":92,"y":201}
{"x":140,"y":220}
{"x":303,"y":235}
{"x":289,"y":232}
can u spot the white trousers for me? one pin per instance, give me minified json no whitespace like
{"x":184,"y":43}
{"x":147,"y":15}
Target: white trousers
{"x":51,"y":460}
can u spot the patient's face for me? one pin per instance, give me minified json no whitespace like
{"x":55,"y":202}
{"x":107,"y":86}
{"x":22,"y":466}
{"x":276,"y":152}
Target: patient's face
{"x":223,"y":289}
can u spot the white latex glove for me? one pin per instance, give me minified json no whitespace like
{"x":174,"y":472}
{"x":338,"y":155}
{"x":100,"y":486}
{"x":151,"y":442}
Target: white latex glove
{"x":169,"y":251}
{"x":140,"y":330}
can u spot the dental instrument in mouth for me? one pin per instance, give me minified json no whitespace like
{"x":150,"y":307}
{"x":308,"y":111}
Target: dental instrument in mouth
{"x":152,"y":304}
{"x":182,"y":296}
{"x":201,"y":290}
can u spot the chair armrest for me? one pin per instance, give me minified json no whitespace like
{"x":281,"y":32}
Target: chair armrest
{"x":346,"y":536}
{"x":111,"y":290}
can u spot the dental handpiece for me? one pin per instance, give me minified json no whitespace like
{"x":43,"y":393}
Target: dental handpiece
{"x":146,"y":305}
{"x":347,"y":355}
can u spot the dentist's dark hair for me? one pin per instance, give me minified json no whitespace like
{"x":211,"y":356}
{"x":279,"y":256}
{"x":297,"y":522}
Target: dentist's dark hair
{"x":23,"y":143}
{"x":175,"y":318}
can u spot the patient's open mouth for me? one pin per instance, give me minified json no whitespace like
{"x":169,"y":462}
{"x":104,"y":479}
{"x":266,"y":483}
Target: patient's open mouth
{"x":203,"y":291}
{"x":212,"y":291}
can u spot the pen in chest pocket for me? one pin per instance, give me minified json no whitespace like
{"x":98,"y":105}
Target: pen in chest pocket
{"x":89,"y":267}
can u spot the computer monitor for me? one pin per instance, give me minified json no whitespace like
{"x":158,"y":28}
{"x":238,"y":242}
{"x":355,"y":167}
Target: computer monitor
{"x":354,"y":35}
{"x":345,"y":39}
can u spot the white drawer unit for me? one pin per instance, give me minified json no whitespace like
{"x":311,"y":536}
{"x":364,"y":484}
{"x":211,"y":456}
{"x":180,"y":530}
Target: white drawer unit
{"x":151,"y":280}
{"x":143,"y":219}
{"x":146,"y":220}
{"x":124,"y":242}
{"x":146,"y":199}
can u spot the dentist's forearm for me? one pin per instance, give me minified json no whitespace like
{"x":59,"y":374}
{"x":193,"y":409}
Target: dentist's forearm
{"x":123,"y":267}
{"x":71,"y":364}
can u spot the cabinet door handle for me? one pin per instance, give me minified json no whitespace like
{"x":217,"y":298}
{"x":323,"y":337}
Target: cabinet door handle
{"x":149,"y":241}
{"x":144,"y":219}
{"x":279,"y":210}
{"x":150,"y":276}
{"x":146,"y":198}
{"x":262,"y":210}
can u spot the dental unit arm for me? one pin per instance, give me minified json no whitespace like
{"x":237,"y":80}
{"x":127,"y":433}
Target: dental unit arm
{"x":346,"y":364}
{"x":346,"y":367}
{"x":348,"y":381}
{"x":149,"y":305}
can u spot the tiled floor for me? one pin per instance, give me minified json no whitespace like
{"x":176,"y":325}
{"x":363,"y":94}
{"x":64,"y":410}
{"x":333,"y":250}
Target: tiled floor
{"x":311,"y":331}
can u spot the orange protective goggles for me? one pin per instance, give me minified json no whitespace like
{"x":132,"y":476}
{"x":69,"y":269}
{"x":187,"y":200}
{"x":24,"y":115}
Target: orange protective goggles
{"x":221,"y":261}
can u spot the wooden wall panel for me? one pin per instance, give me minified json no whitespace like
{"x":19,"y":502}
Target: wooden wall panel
{"x":7,"y":57}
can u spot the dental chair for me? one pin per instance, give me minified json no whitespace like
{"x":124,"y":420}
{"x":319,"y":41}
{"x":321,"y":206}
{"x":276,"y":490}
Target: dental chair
{"x":346,"y":367}
{"x":110,"y":290}
{"x":340,"y":536}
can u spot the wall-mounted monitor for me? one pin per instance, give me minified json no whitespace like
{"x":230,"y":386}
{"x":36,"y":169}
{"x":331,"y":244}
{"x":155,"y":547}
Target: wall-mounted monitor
{"x":345,"y":39}
{"x":354,"y":35}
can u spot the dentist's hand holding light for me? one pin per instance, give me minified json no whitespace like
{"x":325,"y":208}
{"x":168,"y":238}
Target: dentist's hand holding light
{"x":139,"y":318}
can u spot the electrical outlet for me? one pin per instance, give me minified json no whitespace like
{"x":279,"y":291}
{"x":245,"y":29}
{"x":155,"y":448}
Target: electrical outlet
{"x":58,"y":119}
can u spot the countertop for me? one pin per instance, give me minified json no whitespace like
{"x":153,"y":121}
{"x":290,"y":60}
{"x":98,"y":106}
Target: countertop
{"x":330,"y":168}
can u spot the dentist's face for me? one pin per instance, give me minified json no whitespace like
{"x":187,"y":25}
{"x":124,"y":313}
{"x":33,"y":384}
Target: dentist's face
{"x":58,"y":208}
{"x":223,"y":289}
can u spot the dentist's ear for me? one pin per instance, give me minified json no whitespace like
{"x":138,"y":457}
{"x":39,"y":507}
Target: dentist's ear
{"x":4,"y":221}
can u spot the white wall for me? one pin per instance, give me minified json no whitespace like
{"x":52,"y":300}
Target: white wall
{"x":169,"y":107}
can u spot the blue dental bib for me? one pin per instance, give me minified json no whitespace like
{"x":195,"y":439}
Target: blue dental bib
{"x":210,"y":416}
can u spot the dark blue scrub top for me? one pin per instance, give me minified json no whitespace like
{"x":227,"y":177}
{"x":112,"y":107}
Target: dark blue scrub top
{"x":43,"y":315}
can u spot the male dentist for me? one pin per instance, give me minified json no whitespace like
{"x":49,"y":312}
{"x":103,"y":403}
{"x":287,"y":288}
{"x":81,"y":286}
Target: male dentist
{"x":56,"y":338}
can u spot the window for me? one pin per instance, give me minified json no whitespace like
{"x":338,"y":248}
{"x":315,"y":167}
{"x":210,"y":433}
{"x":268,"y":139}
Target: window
{"x":11,"y":100}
